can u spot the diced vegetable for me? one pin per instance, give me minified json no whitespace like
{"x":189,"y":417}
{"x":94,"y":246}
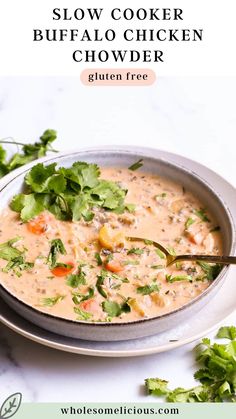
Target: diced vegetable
{"x":110,"y":239}
{"x":133,"y":303}
{"x":38,"y":225}
{"x":158,"y":299}
{"x":63,"y":269}
{"x":178,"y":205}
{"x":114,"y":266}
{"x":90,"y":305}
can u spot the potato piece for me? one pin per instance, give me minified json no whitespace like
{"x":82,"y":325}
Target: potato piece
{"x":133,"y":303}
{"x":177,"y":205}
{"x":159,"y":300}
{"x":109,"y":239}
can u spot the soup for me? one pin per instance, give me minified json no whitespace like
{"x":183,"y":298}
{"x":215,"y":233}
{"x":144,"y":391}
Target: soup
{"x":87,"y":270}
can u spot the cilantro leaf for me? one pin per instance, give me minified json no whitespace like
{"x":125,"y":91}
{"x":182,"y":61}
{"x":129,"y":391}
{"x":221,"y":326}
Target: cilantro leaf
{"x":82,"y":315}
{"x":51,"y":301}
{"x":17,"y":265}
{"x":227,"y":332}
{"x":100,"y":281}
{"x":3,"y":155}
{"x":38,"y":177}
{"x":217,"y":376}
{"x":78,"y":298}
{"x":211,"y":271}
{"x":29,"y":152}
{"x":136,"y":165}
{"x":177,"y":278}
{"x":160,"y":253}
{"x":8,"y":251}
{"x":148,"y":289}
{"x":201,"y":213}
{"x":74,"y":280}
{"x":135,"y":251}
{"x":98,"y":259}
{"x":189,"y":222}
{"x":113,"y":309}
{"x":69,"y":193}
{"x":156,"y":386}
{"x":56,"y":247}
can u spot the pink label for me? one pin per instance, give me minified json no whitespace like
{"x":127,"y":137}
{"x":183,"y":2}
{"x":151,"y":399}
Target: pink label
{"x":118,"y":77}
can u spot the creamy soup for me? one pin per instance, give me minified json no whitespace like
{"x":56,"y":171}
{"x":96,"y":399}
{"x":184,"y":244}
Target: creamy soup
{"x":87,"y":271}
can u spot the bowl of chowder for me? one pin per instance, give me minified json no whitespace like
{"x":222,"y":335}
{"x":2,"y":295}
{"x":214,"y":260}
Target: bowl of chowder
{"x":66,"y":264}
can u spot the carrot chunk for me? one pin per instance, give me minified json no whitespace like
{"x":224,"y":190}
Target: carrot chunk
{"x":114,"y":266}
{"x":38,"y":225}
{"x":63,"y":269}
{"x":90,"y":305}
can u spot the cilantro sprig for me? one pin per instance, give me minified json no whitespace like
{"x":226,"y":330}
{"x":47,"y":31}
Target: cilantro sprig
{"x":114,"y":309}
{"x":8,"y":251}
{"x":17,"y":265}
{"x":68,"y":193}
{"x":52,"y":301}
{"x":14,"y":257}
{"x":29,"y":152}
{"x":56,"y":247}
{"x":216,"y":375}
{"x":148,"y":289}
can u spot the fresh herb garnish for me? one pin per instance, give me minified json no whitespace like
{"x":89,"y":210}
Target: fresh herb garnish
{"x":63,"y":265}
{"x":68,"y":193}
{"x":98,"y":259}
{"x":211,"y":271}
{"x":29,"y":153}
{"x":189,"y":222}
{"x":82,"y":315}
{"x":217,"y":376}
{"x":136,"y":165}
{"x":17,"y":265}
{"x":148,"y":289}
{"x":8,"y":251}
{"x":56,"y":247}
{"x":201,"y":213}
{"x":130,"y":207}
{"x":177,"y":278}
{"x":148,"y":242}
{"x":74,"y":280}
{"x":51,"y":301}
{"x":78,"y":298}
{"x":157,"y":266}
{"x":171,"y":251}
{"x":160,"y":253}
{"x":135,"y":251}
{"x":100,"y":281}
{"x":113,"y":309}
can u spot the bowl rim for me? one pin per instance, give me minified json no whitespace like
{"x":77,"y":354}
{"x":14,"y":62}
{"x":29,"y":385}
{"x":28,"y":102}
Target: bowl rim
{"x":140,"y":152}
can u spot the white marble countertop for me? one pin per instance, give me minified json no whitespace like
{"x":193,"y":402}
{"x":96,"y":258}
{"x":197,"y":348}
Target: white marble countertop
{"x":192,"y":117}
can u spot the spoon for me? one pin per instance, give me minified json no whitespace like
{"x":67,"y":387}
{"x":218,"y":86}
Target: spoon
{"x":170,"y":258}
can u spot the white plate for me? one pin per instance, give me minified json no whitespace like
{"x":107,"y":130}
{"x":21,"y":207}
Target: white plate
{"x":221,"y":306}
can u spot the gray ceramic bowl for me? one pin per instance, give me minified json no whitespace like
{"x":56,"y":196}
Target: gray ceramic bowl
{"x":124,"y":157}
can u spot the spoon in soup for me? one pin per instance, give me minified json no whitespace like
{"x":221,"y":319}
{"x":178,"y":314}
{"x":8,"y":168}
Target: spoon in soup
{"x":171,"y":258}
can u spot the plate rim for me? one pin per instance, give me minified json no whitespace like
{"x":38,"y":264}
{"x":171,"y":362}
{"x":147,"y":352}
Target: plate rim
{"x":104,"y":353}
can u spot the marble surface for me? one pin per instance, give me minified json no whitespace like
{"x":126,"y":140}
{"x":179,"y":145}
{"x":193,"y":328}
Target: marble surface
{"x":188,"y":116}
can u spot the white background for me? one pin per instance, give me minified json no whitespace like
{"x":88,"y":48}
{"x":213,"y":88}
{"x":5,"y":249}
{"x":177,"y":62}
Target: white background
{"x":20,"y":56}
{"x":194,"y":117}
